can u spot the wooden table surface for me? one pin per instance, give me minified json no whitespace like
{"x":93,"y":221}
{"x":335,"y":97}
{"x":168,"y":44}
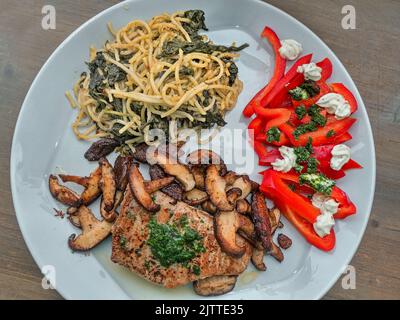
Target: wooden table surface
{"x":370,"y":53}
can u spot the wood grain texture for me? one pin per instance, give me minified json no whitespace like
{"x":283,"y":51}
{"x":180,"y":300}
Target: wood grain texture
{"x":370,"y":54}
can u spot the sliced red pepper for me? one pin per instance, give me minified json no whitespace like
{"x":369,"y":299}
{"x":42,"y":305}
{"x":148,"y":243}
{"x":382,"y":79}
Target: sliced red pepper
{"x":281,"y":86}
{"x":276,"y":188}
{"x":318,"y":137}
{"x":346,"y":207}
{"x":306,"y":229}
{"x":323,"y":90}
{"x":340,"y":88}
{"x":257,"y":124}
{"x":341,"y":138}
{"x":262,"y":137}
{"x":296,"y":208}
{"x":280,"y":66}
{"x":275,"y":117}
{"x":327,"y":69}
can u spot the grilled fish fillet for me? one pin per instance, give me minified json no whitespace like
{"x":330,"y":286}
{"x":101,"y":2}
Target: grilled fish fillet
{"x":132,"y":226}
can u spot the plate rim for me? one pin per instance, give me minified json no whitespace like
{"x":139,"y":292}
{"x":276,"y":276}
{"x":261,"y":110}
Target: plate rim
{"x":30,"y":245}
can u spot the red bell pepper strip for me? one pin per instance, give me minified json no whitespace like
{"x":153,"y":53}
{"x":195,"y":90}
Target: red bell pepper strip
{"x":327,"y":68}
{"x":280,"y":66}
{"x":306,"y":229}
{"x":318,"y":137}
{"x":341,"y":138}
{"x":262,"y":137}
{"x":322,"y":153}
{"x":340,"y":88}
{"x":281,"y":86}
{"x":275,"y":117}
{"x":346,"y":207}
{"x":324,"y":89}
{"x":257,"y":124}
{"x":275,"y":187}
{"x":297,"y":209}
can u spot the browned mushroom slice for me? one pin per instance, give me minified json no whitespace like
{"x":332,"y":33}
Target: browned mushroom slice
{"x":174,"y":190}
{"x":107,"y":184}
{"x":247,"y":231}
{"x":230,"y":178}
{"x":284,"y":241}
{"x":63,"y":194}
{"x":73,"y":217}
{"x":140,"y":153}
{"x":121,"y":170}
{"x":276,"y":252}
{"x":155,"y":185}
{"x":209,"y":207}
{"x":91,"y":184}
{"x":93,"y":231}
{"x":257,"y":258}
{"x":215,"y":187}
{"x":233,"y":194}
{"x":206,"y":157}
{"x":274,"y":219}
{"x":214,"y":286}
{"x":109,"y":216}
{"x":136,"y":183}
{"x":244,"y":184}
{"x":195,"y":197}
{"x":243,"y":206}
{"x":175,"y":169}
{"x":226,"y":225}
{"x":260,"y":216}
{"x":199,"y":175}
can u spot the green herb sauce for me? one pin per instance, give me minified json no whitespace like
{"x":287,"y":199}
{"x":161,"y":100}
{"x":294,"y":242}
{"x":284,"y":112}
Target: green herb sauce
{"x":318,"y":182}
{"x":174,"y":242}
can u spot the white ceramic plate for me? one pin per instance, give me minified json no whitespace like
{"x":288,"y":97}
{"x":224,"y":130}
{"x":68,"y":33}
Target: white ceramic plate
{"x":44,"y":141}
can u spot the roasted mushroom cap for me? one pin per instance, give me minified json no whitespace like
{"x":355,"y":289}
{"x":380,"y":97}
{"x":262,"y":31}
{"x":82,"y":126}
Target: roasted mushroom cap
{"x":206,"y":157}
{"x":215,"y":186}
{"x":257,"y":258}
{"x":93,"y":231}
{"x":214,"y":286}
{"x":73,"y":217}
{"x":107,"y":183}
{"x":284,"y":241}
{"x":62,"y":193}
{"x":195,"y":197}
{"x":175,"y":169}
{"x":226,"y":225}
{"x":136,"y":183}
{"x":243,"y":183}
{"x":232,"y":195}
{"x":276,"y":252}
{"x":230,"y":177}
{"x":91,"y":184}
{"x":155,"y":185}
{"x":140,"y":153}
{"x":274,"y":219}
{"x":260,"y":216}
{"x":243,"y":206}
{"x":174,"y":190}
{"x":199,"y":174}
{"x":209,"y":207}
{"x":121,"y":170}
{"x":111,"y":215}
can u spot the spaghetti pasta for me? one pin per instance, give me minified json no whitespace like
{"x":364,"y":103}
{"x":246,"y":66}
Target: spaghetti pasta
{"x":154,"y":74}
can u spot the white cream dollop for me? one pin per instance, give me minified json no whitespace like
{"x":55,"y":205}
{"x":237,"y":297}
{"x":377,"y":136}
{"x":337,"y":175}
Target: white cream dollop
{"x":288,"y":160}
{"x":335,"y":104}
{"x":328,"y":207}
{"x":311,"y":71}
{"x":290,"y":49}
{"x":341,"y":154}
{"x":323,"y":225}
